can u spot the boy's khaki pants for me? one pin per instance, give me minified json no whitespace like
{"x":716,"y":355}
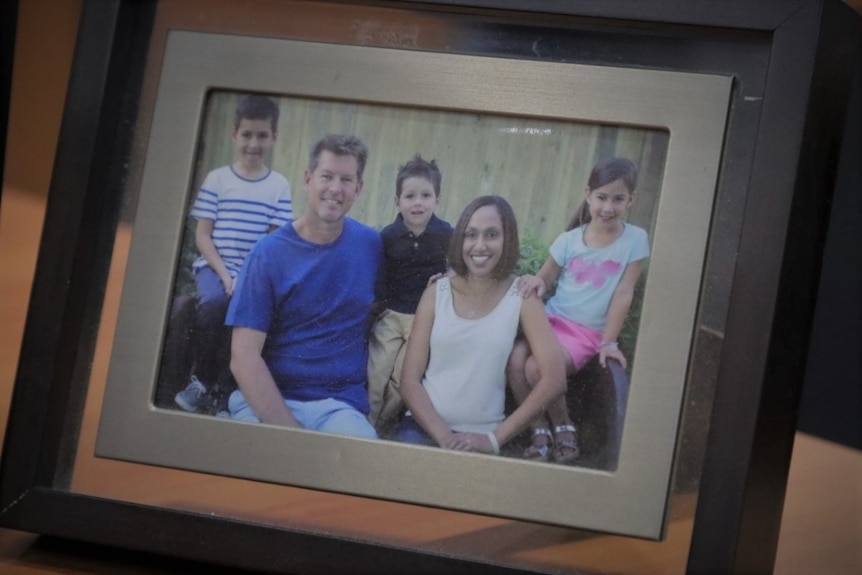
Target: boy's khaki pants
{"x":386,"y":349}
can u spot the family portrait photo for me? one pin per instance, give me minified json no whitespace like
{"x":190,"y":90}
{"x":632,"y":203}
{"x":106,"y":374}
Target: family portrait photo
{"x":526,"y":304}
{"x":370,"y":267}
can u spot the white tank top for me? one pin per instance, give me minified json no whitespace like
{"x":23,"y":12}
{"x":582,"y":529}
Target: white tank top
{"x":466,"y":373}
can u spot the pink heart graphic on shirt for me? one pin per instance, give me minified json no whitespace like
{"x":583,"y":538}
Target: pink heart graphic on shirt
{"x":594,"y":273}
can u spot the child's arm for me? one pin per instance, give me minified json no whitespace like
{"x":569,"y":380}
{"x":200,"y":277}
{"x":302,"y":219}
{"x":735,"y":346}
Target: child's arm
{"x":619,"y":307}
{"x":538,"y":284}
{"x":205,"y":245}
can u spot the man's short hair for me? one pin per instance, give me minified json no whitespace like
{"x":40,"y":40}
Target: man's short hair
{"x":340,"y":145}
{"x":257,"y":107}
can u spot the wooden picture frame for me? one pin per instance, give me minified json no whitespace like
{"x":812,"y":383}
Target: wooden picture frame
{"x":757,"y":284}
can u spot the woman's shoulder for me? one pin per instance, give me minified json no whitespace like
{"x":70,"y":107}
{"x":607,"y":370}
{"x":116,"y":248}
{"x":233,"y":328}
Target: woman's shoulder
{"x":527,"y":305}
{"x":511,"y":294}
{"x":439,"y":288}
{"x":444,"y":283}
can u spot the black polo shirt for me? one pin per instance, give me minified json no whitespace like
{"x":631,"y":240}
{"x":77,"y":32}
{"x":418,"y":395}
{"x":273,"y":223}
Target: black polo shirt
{"x":409,"y":261}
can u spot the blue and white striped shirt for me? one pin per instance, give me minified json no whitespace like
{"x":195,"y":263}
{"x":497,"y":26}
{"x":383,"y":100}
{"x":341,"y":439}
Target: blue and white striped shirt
{"x":243,"y":210}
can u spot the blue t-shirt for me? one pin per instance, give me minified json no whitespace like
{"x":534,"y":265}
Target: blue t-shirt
{"x":313,"y":302}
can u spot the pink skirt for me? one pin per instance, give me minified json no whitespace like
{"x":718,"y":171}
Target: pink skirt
{"x":581,"y":342}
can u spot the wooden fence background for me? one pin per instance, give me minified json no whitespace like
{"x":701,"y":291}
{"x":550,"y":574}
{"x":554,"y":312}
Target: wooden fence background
{"x":540,"y":166}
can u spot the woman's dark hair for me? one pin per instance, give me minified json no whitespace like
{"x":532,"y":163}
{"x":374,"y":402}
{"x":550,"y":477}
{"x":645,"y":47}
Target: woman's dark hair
{"x":605,"y":172}
{"x":511,"y":244}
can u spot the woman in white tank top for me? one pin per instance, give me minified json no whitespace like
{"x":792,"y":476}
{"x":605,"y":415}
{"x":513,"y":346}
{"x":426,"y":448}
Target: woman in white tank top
{"x":454,"y":379}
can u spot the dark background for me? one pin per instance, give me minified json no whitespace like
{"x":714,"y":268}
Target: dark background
{"x":831,"y":405}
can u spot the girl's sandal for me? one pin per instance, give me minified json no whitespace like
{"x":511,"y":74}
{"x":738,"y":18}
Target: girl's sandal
{"x":540,"y":452}
{"x":565,"y":450}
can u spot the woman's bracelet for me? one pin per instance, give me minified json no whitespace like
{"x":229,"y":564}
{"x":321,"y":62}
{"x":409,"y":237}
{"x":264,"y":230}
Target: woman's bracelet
{"x":494,"y":443}
{"x":611,"y":344}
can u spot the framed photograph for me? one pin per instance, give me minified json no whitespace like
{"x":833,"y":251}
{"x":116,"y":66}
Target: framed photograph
{"x":721,"y":113}
{"x":687,"y":110}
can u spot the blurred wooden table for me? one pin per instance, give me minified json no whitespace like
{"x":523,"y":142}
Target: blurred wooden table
{"x":821,"y":527}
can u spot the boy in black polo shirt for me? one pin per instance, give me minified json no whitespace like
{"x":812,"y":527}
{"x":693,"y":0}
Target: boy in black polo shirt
{"x":415,"y":247}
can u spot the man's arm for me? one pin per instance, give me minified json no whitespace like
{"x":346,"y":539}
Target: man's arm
{"x":255,"y":380}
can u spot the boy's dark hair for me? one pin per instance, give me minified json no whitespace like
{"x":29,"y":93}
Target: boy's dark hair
{"x":511,"y":244}
{"x":603,"y":173}
{"x":419,"y":168}
{"x":340,"y":145}
{"x":257,"y":107}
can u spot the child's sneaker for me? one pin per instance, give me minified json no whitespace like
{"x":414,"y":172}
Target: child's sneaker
{"x":192,"y":396}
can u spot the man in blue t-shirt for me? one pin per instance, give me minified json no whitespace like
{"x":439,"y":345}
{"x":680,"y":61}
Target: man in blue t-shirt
{"x":301,"y":306}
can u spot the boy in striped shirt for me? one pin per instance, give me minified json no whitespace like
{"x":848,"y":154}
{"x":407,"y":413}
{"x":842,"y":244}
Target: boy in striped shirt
{"x":236,"y":205}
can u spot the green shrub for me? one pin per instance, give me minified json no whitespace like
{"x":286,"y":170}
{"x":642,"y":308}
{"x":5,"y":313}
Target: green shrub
{"x":534,"y":252}
{"x":629,"y":333}
{"x":185,"y":281}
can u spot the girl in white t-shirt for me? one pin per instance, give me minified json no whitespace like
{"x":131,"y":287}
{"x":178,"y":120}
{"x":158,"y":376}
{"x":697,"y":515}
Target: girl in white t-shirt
{"x":454,"y":375}
{"x":596,"y":264}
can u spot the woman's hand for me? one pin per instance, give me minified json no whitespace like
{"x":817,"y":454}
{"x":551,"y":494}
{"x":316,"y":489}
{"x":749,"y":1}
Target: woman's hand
{"x":531,"y":285}
{"x":468,"y":441}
